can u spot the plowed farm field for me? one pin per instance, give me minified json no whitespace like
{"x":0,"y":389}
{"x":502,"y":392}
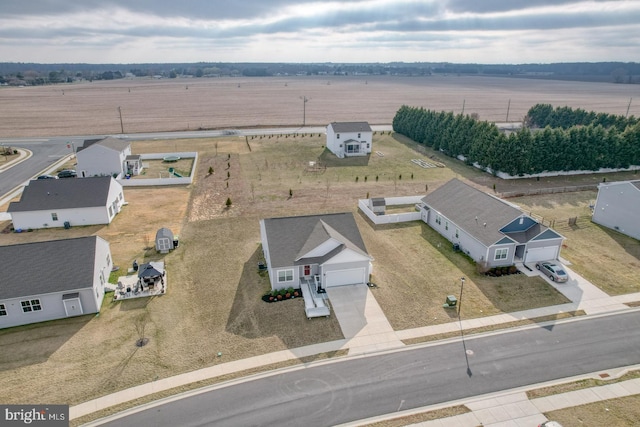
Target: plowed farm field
{"x":152,"y":105}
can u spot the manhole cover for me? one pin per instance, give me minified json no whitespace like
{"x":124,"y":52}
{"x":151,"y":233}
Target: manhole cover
{"x":470,"y":352}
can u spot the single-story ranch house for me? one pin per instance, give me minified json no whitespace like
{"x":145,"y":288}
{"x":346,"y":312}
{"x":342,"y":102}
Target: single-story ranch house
{"x":53,"y":279}
{"x":47,"y":203}
{"x":319,"y":250}
{"x":618,"y":207}
{"x":488,"y":229}
{"x":349,"y":138}
{"x":108,"y":156}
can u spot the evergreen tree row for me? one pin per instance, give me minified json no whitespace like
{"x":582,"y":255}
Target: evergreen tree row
{"x":543,"y":115}
{"x":588,"y":147}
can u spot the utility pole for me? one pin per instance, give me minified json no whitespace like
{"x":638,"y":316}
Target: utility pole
{"x":628,"y":106}
{"x":508,"y":107}
{"x":460,"y":299}
{"x":121,"y":125}
{"x":463,"y":102}
{"x":304,"y":109}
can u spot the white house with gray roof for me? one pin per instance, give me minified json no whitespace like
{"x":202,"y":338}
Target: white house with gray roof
{"x":53,"y":279}
{"x":618,"y":207}
{"x":488,"y":229}
{"x":319,"y":250}
{"x":346,"y":139}
{"x":107,"y":157}
{"x":47,"y":203}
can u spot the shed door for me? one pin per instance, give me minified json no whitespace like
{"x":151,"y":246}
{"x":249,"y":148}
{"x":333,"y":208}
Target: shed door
{"x":345,"y":277}
{"x":546,"y":253}
{"x":72,"y":307}
{"x":164,"y":244}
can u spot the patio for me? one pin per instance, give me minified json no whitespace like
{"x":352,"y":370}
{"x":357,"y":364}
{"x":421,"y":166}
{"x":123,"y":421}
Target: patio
{"x":150,"y":280}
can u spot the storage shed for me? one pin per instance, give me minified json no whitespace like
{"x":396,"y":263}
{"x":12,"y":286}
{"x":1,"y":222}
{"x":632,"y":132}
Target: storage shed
{"x":165,"y":240}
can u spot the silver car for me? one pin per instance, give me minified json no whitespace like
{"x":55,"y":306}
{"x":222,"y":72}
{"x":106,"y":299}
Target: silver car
{"x":554,"y":271}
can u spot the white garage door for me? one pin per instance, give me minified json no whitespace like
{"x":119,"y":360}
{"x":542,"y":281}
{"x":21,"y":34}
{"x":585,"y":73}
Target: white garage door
{"x":546,"y":253}
{"x":344,"y":277}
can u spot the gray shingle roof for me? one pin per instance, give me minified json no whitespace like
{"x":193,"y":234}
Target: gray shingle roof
{"x":291,"y":237}
{"x":67,"y":193}
{"x":351,"y":127}
{"x":108,"y":142}
{"x":44,"y":267}
{"x":471,"y":209}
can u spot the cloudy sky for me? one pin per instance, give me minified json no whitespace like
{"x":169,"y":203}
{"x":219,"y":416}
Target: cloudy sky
{"x":481,"y":31}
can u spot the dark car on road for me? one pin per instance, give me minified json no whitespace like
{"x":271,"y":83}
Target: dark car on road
{"x":67,"y":173}
{"x":47,"y":177}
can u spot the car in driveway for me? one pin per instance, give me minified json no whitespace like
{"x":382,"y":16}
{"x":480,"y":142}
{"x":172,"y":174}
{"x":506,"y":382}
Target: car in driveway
{"x":67,"y":173}
{"x":555,"y":272}
{"x":47,"y":177}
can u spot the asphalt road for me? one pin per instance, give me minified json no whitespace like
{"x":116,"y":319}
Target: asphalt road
{"x":355,"y":389}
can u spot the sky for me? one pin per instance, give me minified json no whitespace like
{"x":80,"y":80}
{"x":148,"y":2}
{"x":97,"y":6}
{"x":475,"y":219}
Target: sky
{"x":308,"y":31}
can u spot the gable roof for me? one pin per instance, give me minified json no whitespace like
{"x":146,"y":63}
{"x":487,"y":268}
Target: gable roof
{"x":289,"y":238}
{"x":476,"y":212}
{"x":30,"y":269}
{"x":67,"y":193}
{"x":109,"y":142}
{"x":350,"y":127}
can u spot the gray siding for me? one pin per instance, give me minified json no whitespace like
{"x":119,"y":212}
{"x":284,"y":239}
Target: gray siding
{"x":618,"y":207}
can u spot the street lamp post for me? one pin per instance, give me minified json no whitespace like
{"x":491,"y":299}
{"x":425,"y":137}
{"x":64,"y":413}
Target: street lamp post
{"x":304,"y":109}
{"x":460,"y":299}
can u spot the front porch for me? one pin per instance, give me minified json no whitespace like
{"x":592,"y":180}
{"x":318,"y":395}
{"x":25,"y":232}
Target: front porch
{"x":315,"y":298}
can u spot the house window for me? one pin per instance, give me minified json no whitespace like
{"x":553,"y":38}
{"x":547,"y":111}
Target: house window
{"x":457,"y":232}
{"x":31,"y":305}
{"x":108,"y":260}
{"x":358,"y":136}
{"x":54,"y":216}
{"x":438,"y":220}
{"x":337,"y":136}
{"x":285,"y":275}
{"x":3,"y":310}
{"x":307,"y":270}
{"x":446,"y":225}
{"x":110,"y":211}
{"x":501,"y":253}
{"x":120,"y":196}
{"x":368,"y":146}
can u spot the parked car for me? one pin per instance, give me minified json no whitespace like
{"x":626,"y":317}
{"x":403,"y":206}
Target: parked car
{"x":67,"y":173}
{"x":47,"y":177}
{"x":554,"y":271}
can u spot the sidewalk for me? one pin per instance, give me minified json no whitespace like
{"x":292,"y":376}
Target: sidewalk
{"x":516,"y":410}
{"x":367,"y":330}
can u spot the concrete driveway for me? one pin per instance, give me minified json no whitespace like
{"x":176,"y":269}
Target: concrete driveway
{"x":361,"y":319}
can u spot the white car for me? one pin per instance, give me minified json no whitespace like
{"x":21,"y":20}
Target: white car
{"x":554,"y":271}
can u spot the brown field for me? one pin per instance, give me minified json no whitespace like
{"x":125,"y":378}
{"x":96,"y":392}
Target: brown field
{"x":187,"y":104}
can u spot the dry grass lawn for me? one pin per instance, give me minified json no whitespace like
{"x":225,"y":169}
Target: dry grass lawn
{"x":213,"y":300}
{"x":622,"y":412}
{"x":608,"y":259}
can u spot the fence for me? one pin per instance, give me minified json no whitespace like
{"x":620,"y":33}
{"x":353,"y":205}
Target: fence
{"x":538,"y":191}
{"x":170,"y":180}
{"x":363,"y":204}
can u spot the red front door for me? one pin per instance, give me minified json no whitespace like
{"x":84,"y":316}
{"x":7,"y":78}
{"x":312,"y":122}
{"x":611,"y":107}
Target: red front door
{"x":307,"y":270}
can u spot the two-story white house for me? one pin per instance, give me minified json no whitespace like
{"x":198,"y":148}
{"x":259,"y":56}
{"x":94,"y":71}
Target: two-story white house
{"x":108,"y":156}
{"x":346,"y":139}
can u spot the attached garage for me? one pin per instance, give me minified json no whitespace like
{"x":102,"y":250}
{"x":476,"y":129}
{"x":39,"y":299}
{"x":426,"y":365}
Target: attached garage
{"x":350,"y":276}
{"x":545,"y":253}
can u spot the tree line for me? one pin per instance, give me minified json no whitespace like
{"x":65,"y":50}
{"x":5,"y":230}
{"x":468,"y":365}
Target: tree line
{"x":580,"y":148}
{"x":543,"y":115}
